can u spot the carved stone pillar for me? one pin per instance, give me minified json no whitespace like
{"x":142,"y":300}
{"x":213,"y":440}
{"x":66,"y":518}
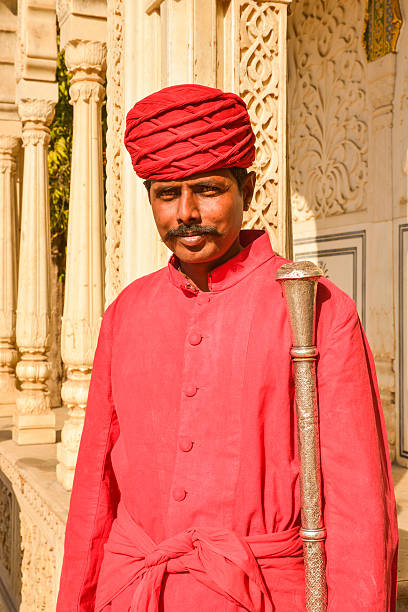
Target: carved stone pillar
{"x":380,"y":323}
{"x":34,"y":421}
{"x":84,"y":287}
{"x":9,"y":147}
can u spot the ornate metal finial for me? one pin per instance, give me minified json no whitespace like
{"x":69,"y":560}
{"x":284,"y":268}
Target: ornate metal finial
{"x":298,"y":269}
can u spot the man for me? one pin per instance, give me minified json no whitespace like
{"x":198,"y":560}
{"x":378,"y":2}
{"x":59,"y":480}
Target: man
{"x":186,"y":492}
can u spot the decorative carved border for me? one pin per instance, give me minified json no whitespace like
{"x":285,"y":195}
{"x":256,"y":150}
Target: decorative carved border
{"x":10,"y":563}
{"x":42,"y":537}
{"x":260,"y":87}
{"x":114,"y":143}
{"x":28,"y":497}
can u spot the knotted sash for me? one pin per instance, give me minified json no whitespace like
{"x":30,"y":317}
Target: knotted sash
{"x":220,"y":559}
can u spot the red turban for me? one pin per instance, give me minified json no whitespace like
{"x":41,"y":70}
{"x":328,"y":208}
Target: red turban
{"x":186,"y":129}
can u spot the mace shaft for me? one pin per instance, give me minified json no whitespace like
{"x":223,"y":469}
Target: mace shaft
{"x":299,"y":284}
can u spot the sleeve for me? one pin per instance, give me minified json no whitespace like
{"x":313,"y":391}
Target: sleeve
{"x":95,"y":495}
{"x":359,"y":502}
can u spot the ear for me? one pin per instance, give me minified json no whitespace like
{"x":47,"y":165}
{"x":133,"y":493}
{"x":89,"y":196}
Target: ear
{"x":248,"y":187}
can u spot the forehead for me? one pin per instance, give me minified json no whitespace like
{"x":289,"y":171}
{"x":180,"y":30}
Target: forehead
{"x":213,"y":175}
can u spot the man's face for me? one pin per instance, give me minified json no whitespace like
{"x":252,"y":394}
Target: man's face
{"x":199,"y":218}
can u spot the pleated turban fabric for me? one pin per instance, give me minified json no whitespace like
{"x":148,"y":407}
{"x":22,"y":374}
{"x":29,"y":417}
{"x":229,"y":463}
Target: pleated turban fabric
{"x":188,"y":129}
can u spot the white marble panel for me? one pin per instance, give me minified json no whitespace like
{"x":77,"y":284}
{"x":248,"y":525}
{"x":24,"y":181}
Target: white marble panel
{"x":342,"y":258}
{"x":402,"y":312}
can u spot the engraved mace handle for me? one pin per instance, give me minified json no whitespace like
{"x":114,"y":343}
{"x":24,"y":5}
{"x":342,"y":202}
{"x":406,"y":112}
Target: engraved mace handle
{"x":299,"y":284}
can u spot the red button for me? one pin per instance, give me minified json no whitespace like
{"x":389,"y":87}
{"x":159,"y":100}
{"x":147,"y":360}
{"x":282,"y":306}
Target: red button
{"x":185,"y":444}
{"x":179,"y":494}
{"x":202,"y":299}
{"x":195,"y":338}
{"x":190,"y":390}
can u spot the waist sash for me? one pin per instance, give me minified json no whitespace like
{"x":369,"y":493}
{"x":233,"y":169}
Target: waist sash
{"x":220,"y":559}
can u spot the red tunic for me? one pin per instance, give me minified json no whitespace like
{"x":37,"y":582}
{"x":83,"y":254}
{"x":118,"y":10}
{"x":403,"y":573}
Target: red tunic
{"x":187,"y":483}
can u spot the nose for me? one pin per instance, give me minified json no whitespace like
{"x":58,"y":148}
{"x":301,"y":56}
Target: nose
{"x":188,"y":211}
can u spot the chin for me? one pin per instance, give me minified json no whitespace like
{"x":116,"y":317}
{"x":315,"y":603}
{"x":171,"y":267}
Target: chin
{"x":199,"y":256}
{"x":193,"y":258}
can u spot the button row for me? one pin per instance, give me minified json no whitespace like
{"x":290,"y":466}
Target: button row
{"x":185,"y":444}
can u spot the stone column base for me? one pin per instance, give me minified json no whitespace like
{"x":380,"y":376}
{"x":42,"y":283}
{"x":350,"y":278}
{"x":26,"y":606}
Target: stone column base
{"x":34,"y":428}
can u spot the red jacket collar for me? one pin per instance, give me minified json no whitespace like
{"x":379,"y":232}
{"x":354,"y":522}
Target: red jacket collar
{"x":257,"y":250}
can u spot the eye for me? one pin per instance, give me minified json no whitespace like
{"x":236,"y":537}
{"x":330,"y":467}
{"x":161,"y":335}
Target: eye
{"x":208,"y":189}
{"x":167,"y":194}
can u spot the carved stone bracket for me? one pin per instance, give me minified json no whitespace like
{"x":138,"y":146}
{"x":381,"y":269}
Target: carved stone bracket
{"x":81,"y":21}
{"x":36,"y":111}
{"x":86,"y":56}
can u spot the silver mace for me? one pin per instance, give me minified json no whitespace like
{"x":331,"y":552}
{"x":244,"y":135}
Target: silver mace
{"x":299,"y":284}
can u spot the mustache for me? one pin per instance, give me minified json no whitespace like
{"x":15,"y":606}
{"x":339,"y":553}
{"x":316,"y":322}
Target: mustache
{"x":189,"y":230}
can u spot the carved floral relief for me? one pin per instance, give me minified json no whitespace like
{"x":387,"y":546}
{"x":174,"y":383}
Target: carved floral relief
{"x":328,"y":114}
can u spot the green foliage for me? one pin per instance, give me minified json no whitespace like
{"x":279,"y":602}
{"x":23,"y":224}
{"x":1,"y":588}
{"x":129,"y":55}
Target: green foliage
{"x":59,"y":166}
